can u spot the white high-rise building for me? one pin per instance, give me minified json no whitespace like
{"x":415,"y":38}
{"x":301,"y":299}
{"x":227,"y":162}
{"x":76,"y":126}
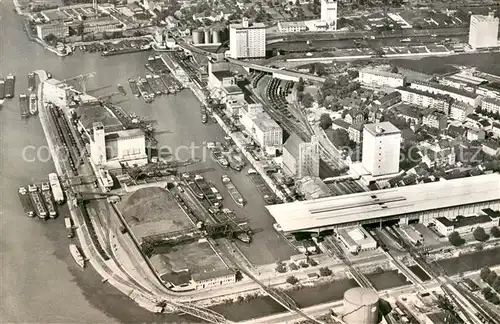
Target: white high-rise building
{"x":247,"y":40}
{"x":98,"y":146}
{"x":483,"y":31}
{"x":329,"y":13}
{"x":381,"y":144}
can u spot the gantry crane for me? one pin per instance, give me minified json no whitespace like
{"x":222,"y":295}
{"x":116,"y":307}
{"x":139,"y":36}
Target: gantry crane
{"x":82,"y":79}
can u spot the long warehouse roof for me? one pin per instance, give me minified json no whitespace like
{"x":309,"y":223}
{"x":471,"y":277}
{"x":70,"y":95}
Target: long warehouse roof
{"x":302,"y":215}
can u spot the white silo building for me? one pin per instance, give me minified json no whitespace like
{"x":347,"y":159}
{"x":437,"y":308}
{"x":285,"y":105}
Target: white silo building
{"x":360,"y":306}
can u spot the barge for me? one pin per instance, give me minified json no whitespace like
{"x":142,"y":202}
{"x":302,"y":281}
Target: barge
{"x":141,"y":85}
{"x":162,"y":89}
{"x":233,"y":192}
{"x":77,"y":255}
{"x":10,"y":83}
{"x":33,"y":104}
{"x":154,"y":86}
{"x":133,"y":87}
{"x":31,"y":81}
{"x":262,"y":187}
{"x":220,"y":158}
{"x":36,"y":199}
{"x":26,"y":202}
{"x":207,"y":191}
{"x":69,"y":227}
{"x":23,"y":105}
{"x":124,"y":51}
{"x":55,"y":186}
{"x":49,"y":200}
{"x":2,"y":89}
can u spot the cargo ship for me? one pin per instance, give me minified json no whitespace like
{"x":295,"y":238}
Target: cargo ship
{"x":220,"y":158}
{"x":10,"y":84}
{"x":121,"y":90}
{"x":36,"y":199}
{"x":207,"y":191}
{"x":31,"y":81}
{"x":77,"y":255}
{"x":142,"y":90}
{"x":2,"y":89}
{"x":26,"y":202}
{"x":154,"y":86}
{"x":233,"y":192}
{"x":49,"y":201}
{"x":161,"y":88}
{"x":133,"y":87}
{"x":33,"y":104}
{"x":55,"y":186}
{"x":24,"y":105}
{"x":69,"y":227}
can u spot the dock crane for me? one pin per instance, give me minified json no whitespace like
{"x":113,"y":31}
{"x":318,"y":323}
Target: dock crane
{"x":82,"y":80}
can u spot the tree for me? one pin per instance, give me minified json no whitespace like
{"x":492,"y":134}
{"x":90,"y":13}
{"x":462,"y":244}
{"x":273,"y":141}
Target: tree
{"x":492,"y":277}
{"x":304,"y":264}
{"x":455,"y":239}
{"x":293,"y":266}
{"x":495,"y":231}
{"x":394,"y":69}
{"x":480,"y":235}
{"x":325,"y":271}
{"x":312,"y":262}
{"x":280,"y":267}
{"x":292,"y":280}
{"x":325,"y":121}
{"x":300,"y":85}
{"x":485,"y":272}
{"x":340,"y":138}
{"x":307,"y":100}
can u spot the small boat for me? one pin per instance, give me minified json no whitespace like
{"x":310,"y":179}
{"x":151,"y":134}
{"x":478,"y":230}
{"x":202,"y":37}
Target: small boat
{"x":33,"y":104}
{"x":75,"y":252}
{"x":121,"y":90}
{"x":31,"y":81}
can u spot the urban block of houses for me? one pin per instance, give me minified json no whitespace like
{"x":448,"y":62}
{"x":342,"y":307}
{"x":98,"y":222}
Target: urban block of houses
{"x":425,"y":99}
{"x":435,"y":119}
{"x":292,"y":26}
{"x":412,"y":115}
{"x":380,"y":78}
{"x":460,"y":111}
{"x":355,"y":132}
{"x":491,"y":148}
{"x":388,"y":100}
{"x":491,"y":105}
{"x":460,"y":95}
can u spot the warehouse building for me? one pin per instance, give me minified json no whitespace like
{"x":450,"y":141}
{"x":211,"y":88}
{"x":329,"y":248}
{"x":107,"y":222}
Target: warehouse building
{"x":462,"y":224}
{"x":212,"y":279}
{"x":422,"y":203}
{"x":356,"y":239}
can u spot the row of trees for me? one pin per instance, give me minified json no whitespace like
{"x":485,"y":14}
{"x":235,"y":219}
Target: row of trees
{"x":323,"y":272}
{"x":493,"y":280}
{"x":281,"y":266}
{"x":479,"y":235}
{"x":495,"y":115}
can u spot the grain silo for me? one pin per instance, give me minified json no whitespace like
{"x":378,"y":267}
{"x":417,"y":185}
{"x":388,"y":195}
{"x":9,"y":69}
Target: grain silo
{"x":216,"y":36}
{"x":198,"y":36}
{"x":360,"y":306}
{"x":208,"y":38}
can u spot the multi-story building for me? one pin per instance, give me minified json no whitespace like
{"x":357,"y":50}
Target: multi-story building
{"x":483,"y":31}
{"x":435,"y":119}
{"x":425,"y":99}
{"x":247,"y":40}
{"x":495,"y":129}
{"x":101,"y":25}
{"x":460,"y":111}
{"x":268,"y":134}
{"x":381,"y":144}
{"x":461,"y":95}
{"x":300,"y":158}
{"x":389,"y":99}
{"x":437,"y":157}
{"x":475,"y":134}
{"x":491,"y":105}
{"x":292,"y":26}
{"x":211,"y":279}
{"x":376,"y":77}
{"x":355,"y":132}
{"x":57,"y":29}
{"x":329,"y":13}
{"x":464,"y":224}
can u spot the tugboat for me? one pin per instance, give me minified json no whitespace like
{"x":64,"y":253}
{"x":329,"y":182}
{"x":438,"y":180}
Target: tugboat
{"x":33,"y":104}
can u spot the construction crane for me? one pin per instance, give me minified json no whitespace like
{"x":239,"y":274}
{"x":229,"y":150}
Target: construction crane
{"x":82,"y":80}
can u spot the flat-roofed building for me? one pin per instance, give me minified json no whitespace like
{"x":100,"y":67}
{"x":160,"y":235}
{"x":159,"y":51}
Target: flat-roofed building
{"x":356,"y":239}
{"x":59,"y":30}
{"x":292,"y":26}
{"x":461,"y":95}
{"x":491,"y":105}
{"x":380,"y":78}
{"x":247,"y":40}
{"x":329,"y":13}
{"x":381,"y":144}
{"x":213,"y":279}
{"x":461,"y":224}
{"x":422,"y":202}
{"x":483,"y":31}
{"x":268,"y":134}
{"x":425,"y":99}
{"x":459,"y":111}
{"x":301,"y":158}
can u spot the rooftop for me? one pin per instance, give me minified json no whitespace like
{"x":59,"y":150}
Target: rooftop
{"x":92,"y":113}
{"x":212,"y":274}
{"x":222,"y":74}
{"x":341,"y":123}
{"x":449,"y":89}
{"x":462,"y":221}
{"x":491,"y":100}
{"x":303,"y":215}
{"x":285,"y":24}
{"x":266,"y":124}
{"x":123,"y":134}
{"x":485,"y":18}
{"x":424,"y":93}
{"x":384,"y":127}
{"x":292,"y":144}
{"x":250,"y":26}
{"x":381,"y":73}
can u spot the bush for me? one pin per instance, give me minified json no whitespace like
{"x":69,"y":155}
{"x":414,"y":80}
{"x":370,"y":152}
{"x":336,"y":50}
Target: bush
{"x":325,"y":121}
{"x":293,"y":266}
{"x":304,"y":264}
{"x":307,"y":100}
{"x":492,"y":277}
{"x":312,"y":262}
{"x":280,"y":267}
{"x":485,"y":272}
{"x":495,"y":232}
{"x":480,"y":235}
{"x":292,"y":280}
{"x":325,"y":272}
{"x":455,"y":239}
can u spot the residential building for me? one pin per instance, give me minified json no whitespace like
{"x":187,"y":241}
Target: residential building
{"x":381,"y":145}
{"x":435,"y":119}
{"x":354,"y":116}
{"x":340,"y":124}
{"x":292,"y":26}
{"x":412,"y":115}
{"x":437,"y":157}
{"x":491,"y":105}
{"x":57,"y":29}
{"x":460,"y":111}
{"x":355,"y":132}
{"x":215,"y":278}
{"x":483,"y":31}
{"x":356,"y":239}
{"x":389,"y":99}
{"x":492,"y":148}
{"x":461,"y":95}
{"x":301,"y":159}
{"x":475,"y":134}
{"x":425,"y":99}
{"x":463,"y":224}
{"x":380,"y":78}
{"x":329,"y":13}
{"x":247,"y":40}
{"x":495,"y":129}
{"x":456,"y":132}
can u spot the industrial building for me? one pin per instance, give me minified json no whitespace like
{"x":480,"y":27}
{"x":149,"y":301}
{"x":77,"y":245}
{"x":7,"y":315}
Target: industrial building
{"x":329,"y":13}
{"x":360,"y":306}
{"x":465,"y":224}
{"x":411,"y":234}
{"x":425,"y":99}
{"x":301,"y":158}
{"x":59,"y":30}
{"x":461,"y":95}
{"x":356,"y":239}
{"x":247,"y":40}
{"x":491,"y":105}
{"x":215,"y":278}
{"x":292,"y":26}
{"x":381,"y":144}
{"x":423,"y":203}
{"x":263,"y":129}
{"x":379,"y":78}
{"x":57,"y":92}
{"x":483,"y":31}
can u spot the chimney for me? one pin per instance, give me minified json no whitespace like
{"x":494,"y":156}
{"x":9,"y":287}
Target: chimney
{"x":379,"y":129}
{"x":245,"y":22}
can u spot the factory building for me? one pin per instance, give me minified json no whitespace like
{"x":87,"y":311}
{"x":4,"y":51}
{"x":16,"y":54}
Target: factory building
{"x":379,"y":78}
{"x":381,"y":144}
{"x":212,"y":279}
{"x":329,"y":13}
{"x":356,"y":239}
{"x":461,"y":95}
{"x":360,"y":306}
{"x":56,"y":92}
{"x":301,"y":159}
{"x":247,"y":40}
{"x":101,"y":25}
{"x":483,"y":31}
{"x":263,"y":129}
{"x":57,"y":29}
{"x":463,"y":224}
